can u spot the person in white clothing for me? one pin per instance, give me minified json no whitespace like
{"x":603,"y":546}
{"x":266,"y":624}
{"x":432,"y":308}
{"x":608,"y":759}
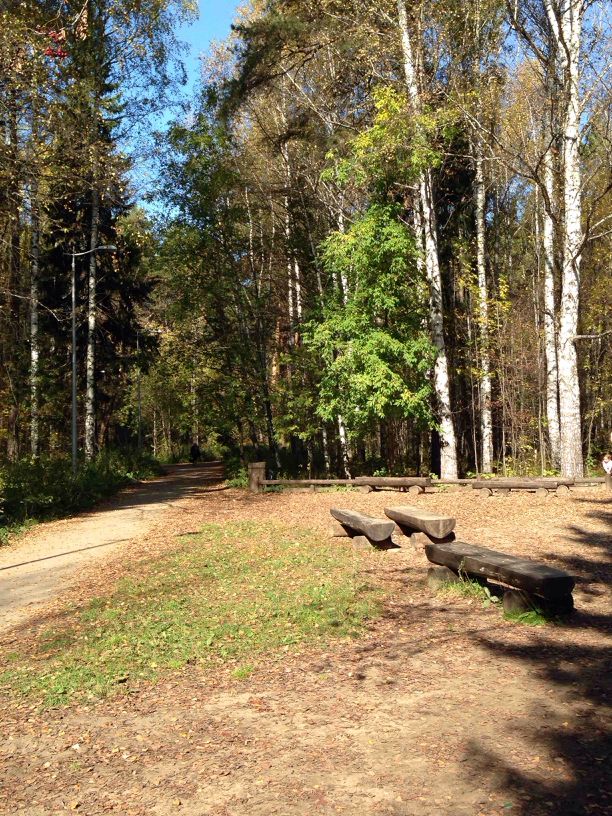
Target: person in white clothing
{"x":607,"y":464}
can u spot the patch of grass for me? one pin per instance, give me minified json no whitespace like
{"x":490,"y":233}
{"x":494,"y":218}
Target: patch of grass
{"x":228,"y":595}
{"x":242,"y":672}
{"x":467,"y":588}
{"x":534,"y":617}
{"x":531,"y":618}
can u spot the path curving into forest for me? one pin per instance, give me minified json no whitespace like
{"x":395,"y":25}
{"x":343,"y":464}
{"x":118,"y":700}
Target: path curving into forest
{"x":35,"y":568}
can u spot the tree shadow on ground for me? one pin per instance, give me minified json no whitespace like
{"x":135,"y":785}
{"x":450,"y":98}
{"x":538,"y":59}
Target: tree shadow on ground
{"x":574,"y":662}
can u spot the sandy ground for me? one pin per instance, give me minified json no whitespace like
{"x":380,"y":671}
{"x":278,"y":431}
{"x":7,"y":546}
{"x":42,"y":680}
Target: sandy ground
{"x":37,"y":567}
{"x":441,"y":708}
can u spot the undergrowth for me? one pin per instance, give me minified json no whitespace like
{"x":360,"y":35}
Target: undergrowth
{"x":534,"y":617}
{"x":468,"y":588}
{"x":44,"y":487}
{"x":228,"y":595}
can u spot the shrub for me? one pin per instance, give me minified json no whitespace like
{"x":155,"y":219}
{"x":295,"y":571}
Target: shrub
{"x":45,"y":487}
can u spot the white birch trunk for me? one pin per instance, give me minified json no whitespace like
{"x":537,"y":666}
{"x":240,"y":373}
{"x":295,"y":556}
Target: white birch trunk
{"x":486,"y":423}
{"x":90,"y":376}
{"x":325,"y":442}
{"x":34,"y":338}
{"x":448,"y":463}
{"x":297,"y":288}
{"x":344,"y":447}
{"x":570,"y":13}
{"x":550,"y":319}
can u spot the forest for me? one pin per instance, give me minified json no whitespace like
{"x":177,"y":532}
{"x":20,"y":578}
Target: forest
{"x":378,"y":239}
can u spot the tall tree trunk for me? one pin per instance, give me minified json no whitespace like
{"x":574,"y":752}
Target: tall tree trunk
{"x":342,"y":434}
{"x":550,"y":315}
{"x":448,"y":457}
{"x":90,"y":376}
{"x":34,"y":340}
{"x":565,"y":19}
{"x":486,"y":424}
{"x":325,"y":444}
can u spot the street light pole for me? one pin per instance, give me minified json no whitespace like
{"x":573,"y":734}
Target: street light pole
{"x":74,"y":369}
{"x":111,"y":248}
{"x":139,"y":393}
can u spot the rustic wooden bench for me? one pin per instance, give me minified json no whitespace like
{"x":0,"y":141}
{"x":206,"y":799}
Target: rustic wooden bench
{"x":422,"y":526}
{"x":541,"y":487}
{"x":413,"y":484}
{"x":360,"y":526}
{"x":539,"y":585}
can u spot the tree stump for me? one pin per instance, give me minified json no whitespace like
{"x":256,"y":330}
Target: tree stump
{"x":563,"y":490}
{"x":485,"y":492}
{"x":416,"y":490}
{"x":541,"y":492}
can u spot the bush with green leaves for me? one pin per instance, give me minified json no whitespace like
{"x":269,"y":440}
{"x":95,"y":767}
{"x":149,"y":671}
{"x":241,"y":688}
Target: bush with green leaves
{"x":375,"y":346}
{"x":45,"y":487}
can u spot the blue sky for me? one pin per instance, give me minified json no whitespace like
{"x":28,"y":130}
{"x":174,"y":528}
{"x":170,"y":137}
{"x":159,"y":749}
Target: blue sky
{"x":214,"y":23}
{"x":216,"y":17}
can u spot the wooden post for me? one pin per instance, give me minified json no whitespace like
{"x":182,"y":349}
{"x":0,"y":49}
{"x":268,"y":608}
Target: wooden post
{"x":609,"y":481}
{"x":257,"y":474}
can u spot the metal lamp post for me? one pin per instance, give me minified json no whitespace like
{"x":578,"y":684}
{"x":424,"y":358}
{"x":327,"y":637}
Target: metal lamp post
{"x":103,"y":247}
{"x":147,"y":333}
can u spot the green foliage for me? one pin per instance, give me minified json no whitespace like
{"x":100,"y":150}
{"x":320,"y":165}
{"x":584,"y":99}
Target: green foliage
{"x":534,"y":617}
{"x":398,"y":146}
{"x":467,"y":588}
{"x":232,"y":594}
{"x":45,"y":487}
{"x":375,"y":346}
{"x":240,"y":479}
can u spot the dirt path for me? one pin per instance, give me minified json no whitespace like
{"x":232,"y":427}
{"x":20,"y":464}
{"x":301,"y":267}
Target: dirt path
{"x":441,"y":709}
{"x":38,"y":566}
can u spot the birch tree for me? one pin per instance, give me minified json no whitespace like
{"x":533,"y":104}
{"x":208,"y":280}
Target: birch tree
{"x":429,"y":241}
{"x":565,"y":18}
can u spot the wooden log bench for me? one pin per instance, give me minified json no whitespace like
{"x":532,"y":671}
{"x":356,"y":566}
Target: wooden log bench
{"x":422,"y":526}
{"x":534,"y":585}
{"x":366,"y":531}
{"x":412,"y":484}
{"x":541,"y":487}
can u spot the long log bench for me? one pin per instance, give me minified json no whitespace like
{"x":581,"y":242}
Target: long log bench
{"x":539,"y":585}
{"x":541,"y":487}
{"x":413,"y":484}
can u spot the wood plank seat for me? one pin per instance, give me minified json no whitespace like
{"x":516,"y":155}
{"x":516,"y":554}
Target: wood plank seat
{"x":415,"y":519}
{"x":377,"y":531}
{"x":414,"y":484}
{"x":533,"y":578}
{"x":519,"y":484}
